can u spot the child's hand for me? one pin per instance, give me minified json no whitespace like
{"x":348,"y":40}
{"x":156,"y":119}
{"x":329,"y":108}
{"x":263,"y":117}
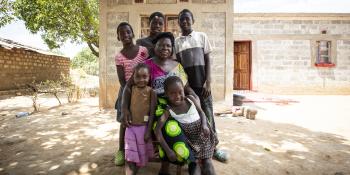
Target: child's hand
{"x":126,"y":117}
{"x":206,"y":130}
{"x":147,"y":137}
{"x":206,"y":89}
{"x":172,"y":156}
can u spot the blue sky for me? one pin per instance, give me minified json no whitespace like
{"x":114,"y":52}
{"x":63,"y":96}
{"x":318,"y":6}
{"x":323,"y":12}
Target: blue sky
{"x":16,"y":31}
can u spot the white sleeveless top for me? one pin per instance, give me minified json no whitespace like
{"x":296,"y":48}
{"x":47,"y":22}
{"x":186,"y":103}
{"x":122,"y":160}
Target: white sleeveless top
{"x":189,"y":117}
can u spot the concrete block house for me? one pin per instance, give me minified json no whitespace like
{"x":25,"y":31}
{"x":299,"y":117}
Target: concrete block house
{"x":273,"y":53}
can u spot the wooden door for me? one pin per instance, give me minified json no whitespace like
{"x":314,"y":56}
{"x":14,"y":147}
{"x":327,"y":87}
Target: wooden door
{"x":242,"y":65}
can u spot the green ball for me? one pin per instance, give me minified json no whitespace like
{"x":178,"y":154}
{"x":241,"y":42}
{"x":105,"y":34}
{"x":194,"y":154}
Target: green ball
{"x":172,"y":128}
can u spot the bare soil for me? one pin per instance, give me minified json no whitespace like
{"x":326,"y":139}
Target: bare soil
{"x":309,"y":136}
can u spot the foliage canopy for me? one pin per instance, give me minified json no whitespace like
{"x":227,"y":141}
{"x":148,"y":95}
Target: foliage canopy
{"x":6,"y":12}
{"x":60,"y":20}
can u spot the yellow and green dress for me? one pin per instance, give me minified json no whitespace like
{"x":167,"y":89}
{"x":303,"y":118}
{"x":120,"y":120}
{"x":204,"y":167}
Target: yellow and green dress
{"x":174,"y":136}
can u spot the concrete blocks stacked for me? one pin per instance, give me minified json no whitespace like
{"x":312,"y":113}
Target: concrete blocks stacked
{"x":19,"y":67}
{"x":214,"y":27}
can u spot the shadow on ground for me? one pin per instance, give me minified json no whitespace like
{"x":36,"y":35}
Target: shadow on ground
{"x":84,"y":141}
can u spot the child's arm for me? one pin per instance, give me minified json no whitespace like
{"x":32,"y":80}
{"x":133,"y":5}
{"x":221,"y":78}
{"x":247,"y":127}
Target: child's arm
{"x":151,"y":115}
{"x":125,"y":101}
{"x":201,"y":114}
{"x":207,"y":85}
{"x":160,"y":124}
{"x":126,"y":97}
{"x":190,"y":91}
{"x":121,"y":75}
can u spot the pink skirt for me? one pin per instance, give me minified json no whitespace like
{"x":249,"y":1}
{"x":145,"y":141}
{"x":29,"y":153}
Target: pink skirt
{"x":136,"y":150}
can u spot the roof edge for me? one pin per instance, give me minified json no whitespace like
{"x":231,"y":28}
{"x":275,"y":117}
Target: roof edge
{"x":10,"y":44}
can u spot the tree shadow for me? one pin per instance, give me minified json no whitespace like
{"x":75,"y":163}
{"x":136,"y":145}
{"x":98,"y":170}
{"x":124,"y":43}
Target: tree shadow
{"x":84,"y":142}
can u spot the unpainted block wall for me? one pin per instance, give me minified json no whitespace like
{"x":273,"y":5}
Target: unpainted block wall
{"x":283,"y":54}
{"x":210,"y":17}
{"x":266,"y":27}
{"x":213,"y":24}
{"x":19,"y":67}
{"x":108,"y":77}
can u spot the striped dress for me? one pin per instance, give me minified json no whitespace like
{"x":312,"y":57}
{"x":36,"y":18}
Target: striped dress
{"x":129,"y":64}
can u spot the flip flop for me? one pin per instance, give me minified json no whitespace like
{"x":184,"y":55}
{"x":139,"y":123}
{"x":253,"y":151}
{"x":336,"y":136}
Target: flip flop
{"x":220,"y":155}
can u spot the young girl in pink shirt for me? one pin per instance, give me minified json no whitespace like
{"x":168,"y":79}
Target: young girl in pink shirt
{"x":126,"y":60}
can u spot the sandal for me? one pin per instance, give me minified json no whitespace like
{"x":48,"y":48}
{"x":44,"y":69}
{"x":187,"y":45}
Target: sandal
{"x":119,"y":158}
{"x":220,"y":155}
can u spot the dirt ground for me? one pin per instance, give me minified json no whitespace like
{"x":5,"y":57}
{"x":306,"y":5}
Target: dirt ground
{"x":301,"y":135}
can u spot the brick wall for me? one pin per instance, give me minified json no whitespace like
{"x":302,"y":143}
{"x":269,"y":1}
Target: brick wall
{"x":291,"y":26}
{"x":284,"y":53}
{"x":19,"y":66}
{"x":214,"y":27}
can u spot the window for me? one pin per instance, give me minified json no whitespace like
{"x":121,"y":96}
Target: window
{"x":323,"y":54}
{"x":144,"y":26}
{"x":170,"y":25}
{"x":138,"y":1}
{"x":183,"y":0}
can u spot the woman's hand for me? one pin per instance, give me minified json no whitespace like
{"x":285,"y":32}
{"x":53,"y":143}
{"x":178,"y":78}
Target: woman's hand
{"x":206,"y":130}
{"x":172,"y":156}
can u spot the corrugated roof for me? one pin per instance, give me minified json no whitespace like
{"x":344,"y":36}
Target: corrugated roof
{"x":9,"y":44}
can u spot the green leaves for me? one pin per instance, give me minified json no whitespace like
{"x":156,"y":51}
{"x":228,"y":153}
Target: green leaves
{"x":6,"y":12}
{"x":60,"y":20}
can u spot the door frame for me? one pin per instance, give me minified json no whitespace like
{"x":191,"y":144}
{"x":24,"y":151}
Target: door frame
{"x":250,"y":62}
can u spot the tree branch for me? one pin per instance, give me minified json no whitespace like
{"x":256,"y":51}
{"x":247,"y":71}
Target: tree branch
{"x":93,"y":49}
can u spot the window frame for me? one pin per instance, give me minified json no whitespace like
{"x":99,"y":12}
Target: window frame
{"x":317,"y":60}
{"x":166,"y":27}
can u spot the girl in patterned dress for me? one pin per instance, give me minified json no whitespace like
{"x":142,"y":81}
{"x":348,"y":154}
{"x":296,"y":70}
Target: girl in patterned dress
{"x":185,"y":113}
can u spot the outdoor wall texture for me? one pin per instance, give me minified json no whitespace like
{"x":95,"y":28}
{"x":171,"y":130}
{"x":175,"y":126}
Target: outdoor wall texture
{"x":284,"y":52}
{"x":210,"y":17}
{"x":19,"y":67}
